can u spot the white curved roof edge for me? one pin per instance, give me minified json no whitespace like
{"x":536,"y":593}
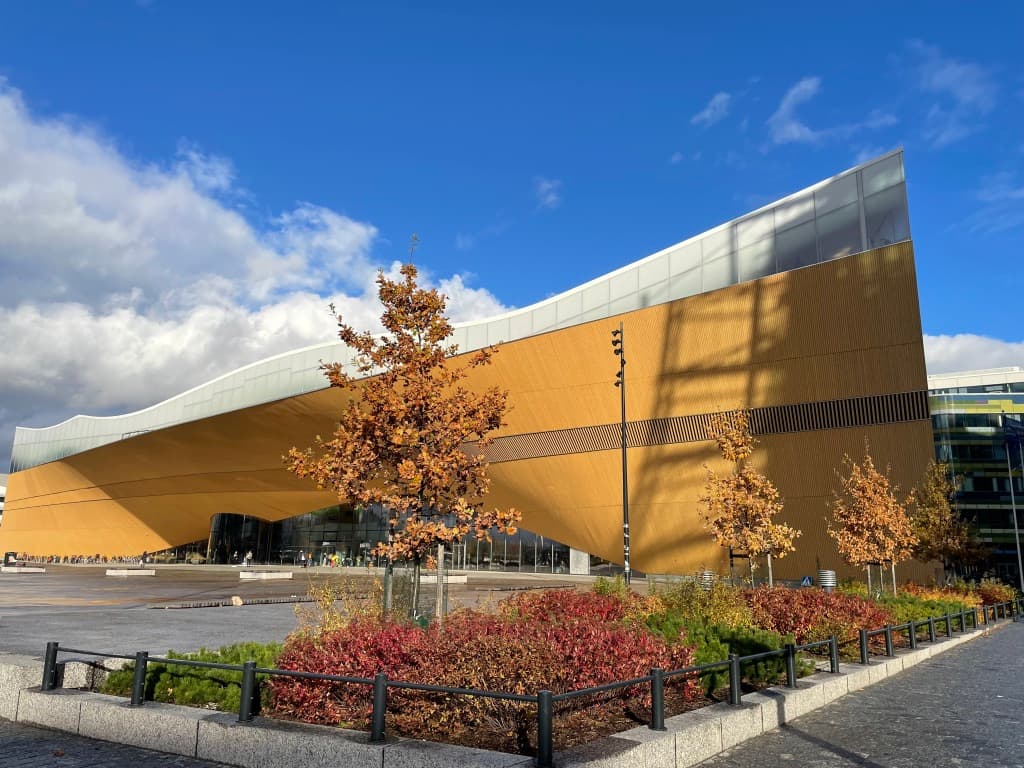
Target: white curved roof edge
{"x":551,"y":300}
{"x":230,"y":374}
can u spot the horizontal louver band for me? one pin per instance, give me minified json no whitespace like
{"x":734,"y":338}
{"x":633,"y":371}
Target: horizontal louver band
{"x":776,"y":419}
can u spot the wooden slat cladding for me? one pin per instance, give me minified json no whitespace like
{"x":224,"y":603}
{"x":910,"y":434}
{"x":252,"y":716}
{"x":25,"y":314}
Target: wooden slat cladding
{"x":771,"y":420}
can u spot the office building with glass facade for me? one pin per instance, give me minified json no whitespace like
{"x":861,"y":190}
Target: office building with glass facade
{"x":969,"y":412}
{"x":805,"y":312}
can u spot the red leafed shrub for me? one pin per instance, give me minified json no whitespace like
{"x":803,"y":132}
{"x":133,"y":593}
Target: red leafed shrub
{"x":992,"y":591}
{"x":558,"y":606}
{"x":813,"y":614}
{"x":363,"y":648}
{"x":474,"y":650}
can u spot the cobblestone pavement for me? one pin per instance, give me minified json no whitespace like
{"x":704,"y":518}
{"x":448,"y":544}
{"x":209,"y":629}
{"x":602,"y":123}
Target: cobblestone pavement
{"x":25,"y":747}
{"x":963,"y":708}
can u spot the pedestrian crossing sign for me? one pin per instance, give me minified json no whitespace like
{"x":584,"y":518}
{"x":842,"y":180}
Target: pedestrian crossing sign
{"x":806,"y":581}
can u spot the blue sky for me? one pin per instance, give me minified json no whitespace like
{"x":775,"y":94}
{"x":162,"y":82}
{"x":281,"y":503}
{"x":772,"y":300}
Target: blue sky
{"x":185,"y":185}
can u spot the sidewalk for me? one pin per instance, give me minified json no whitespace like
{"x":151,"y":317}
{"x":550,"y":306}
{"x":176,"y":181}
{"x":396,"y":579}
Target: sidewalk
{"x":965,"y":707}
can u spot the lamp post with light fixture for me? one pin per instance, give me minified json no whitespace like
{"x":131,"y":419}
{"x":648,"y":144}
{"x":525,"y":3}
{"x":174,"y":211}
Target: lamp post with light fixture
{"x":618,"y":346}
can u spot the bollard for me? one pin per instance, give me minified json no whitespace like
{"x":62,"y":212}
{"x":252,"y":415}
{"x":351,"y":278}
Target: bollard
{"x":931,"y":629}
{"x":864,"y":655}
{"x":913,"y":634}
{"x":50,"y":667}
{"x":888,"y":641}
{"x":545,"y":747}
{"x":963,"y":621}
{"x":984,"y":615}
{"x":833,"y":654}
{"x":790,"y":665}
{"x":139,"y":680}
{"x":735,"y":680}
{"x":245,"y":708}
{"x":949,"y":626}
{"x":657,"y":700}
{"x":380,"y":705}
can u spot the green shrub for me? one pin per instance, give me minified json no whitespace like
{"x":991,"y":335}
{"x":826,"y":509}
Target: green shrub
{"x":905,"y":608}
{"x":721,"y":604}
{"x":196,"y":686}
{"x":615,"y":586}
{"x":714,"y":642}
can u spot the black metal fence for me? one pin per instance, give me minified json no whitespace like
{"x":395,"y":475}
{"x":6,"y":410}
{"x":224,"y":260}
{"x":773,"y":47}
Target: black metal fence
{"x":545,"y":700}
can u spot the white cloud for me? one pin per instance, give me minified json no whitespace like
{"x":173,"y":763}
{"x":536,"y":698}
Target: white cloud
{"x":969,"y":352}
{"x":966,"y":91}
{"x":548,"y":192}
{"x":1002,"y":205}
{"x":676,"y":159}
{"x":785,"y":127}
{"x":124,"y":283}
{"x":716,"y":110}
{"x":464,"y":242}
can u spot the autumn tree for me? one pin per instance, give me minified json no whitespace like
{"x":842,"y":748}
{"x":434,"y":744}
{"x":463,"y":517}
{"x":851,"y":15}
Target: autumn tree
{"x":869,"y":524}
{"x":401,"y":442}
{"x":941,"y":533}
{"x":740,"y":508}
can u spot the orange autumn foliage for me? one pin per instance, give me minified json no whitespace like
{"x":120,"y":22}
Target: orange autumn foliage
{"x":401,"y":442}
{"x":868,"y":523}
{"x":740,"y":508}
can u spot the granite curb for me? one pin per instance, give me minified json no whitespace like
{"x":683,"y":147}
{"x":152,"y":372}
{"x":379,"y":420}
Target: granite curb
{"x":218,"y":736}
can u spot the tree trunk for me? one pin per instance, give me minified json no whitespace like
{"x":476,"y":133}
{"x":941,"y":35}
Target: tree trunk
{"x":389,"y":586}
{"x":868,"y":569}
{"x":771,"y":580}
{"x":892,"y":565}
{"x":439,"y":608}
{"x":414,"y":609}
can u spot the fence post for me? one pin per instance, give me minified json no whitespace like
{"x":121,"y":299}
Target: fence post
{"x":963,"y":621}
{"x":949,"y":626}
{"x":380,"y":706}
{"x":864,"y":655}
{"x":790,"y":665}
{"x":545,"y":748}
{"x":735,"y":680}
{"x":931,"y":629}
{"x":139,"y":680}
{"x":913,"y":634}
{"x":245,"y":708}
{"x":888,"y":641}
{"x":657,"y":700}
{"x":833,"y":654}
{"x":50,"y":667}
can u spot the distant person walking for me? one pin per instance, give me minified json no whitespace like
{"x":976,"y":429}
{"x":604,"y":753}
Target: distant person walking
{"x":302,"y":559}
{"x":142,"y":560}
{"x":248,"y":558}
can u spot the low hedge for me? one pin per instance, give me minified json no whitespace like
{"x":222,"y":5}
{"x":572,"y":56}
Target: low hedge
{"x":196,"y":686}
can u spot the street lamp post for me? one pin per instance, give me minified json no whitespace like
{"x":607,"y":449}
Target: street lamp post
{"x":618,"y":346}
{"x":1012,"y":434}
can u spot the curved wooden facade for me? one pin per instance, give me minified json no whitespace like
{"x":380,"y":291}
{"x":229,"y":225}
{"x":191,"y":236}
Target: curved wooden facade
{"x":829,"y":355}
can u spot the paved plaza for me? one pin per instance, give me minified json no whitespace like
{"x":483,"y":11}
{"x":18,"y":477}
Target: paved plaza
{"x":81,"y":607}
